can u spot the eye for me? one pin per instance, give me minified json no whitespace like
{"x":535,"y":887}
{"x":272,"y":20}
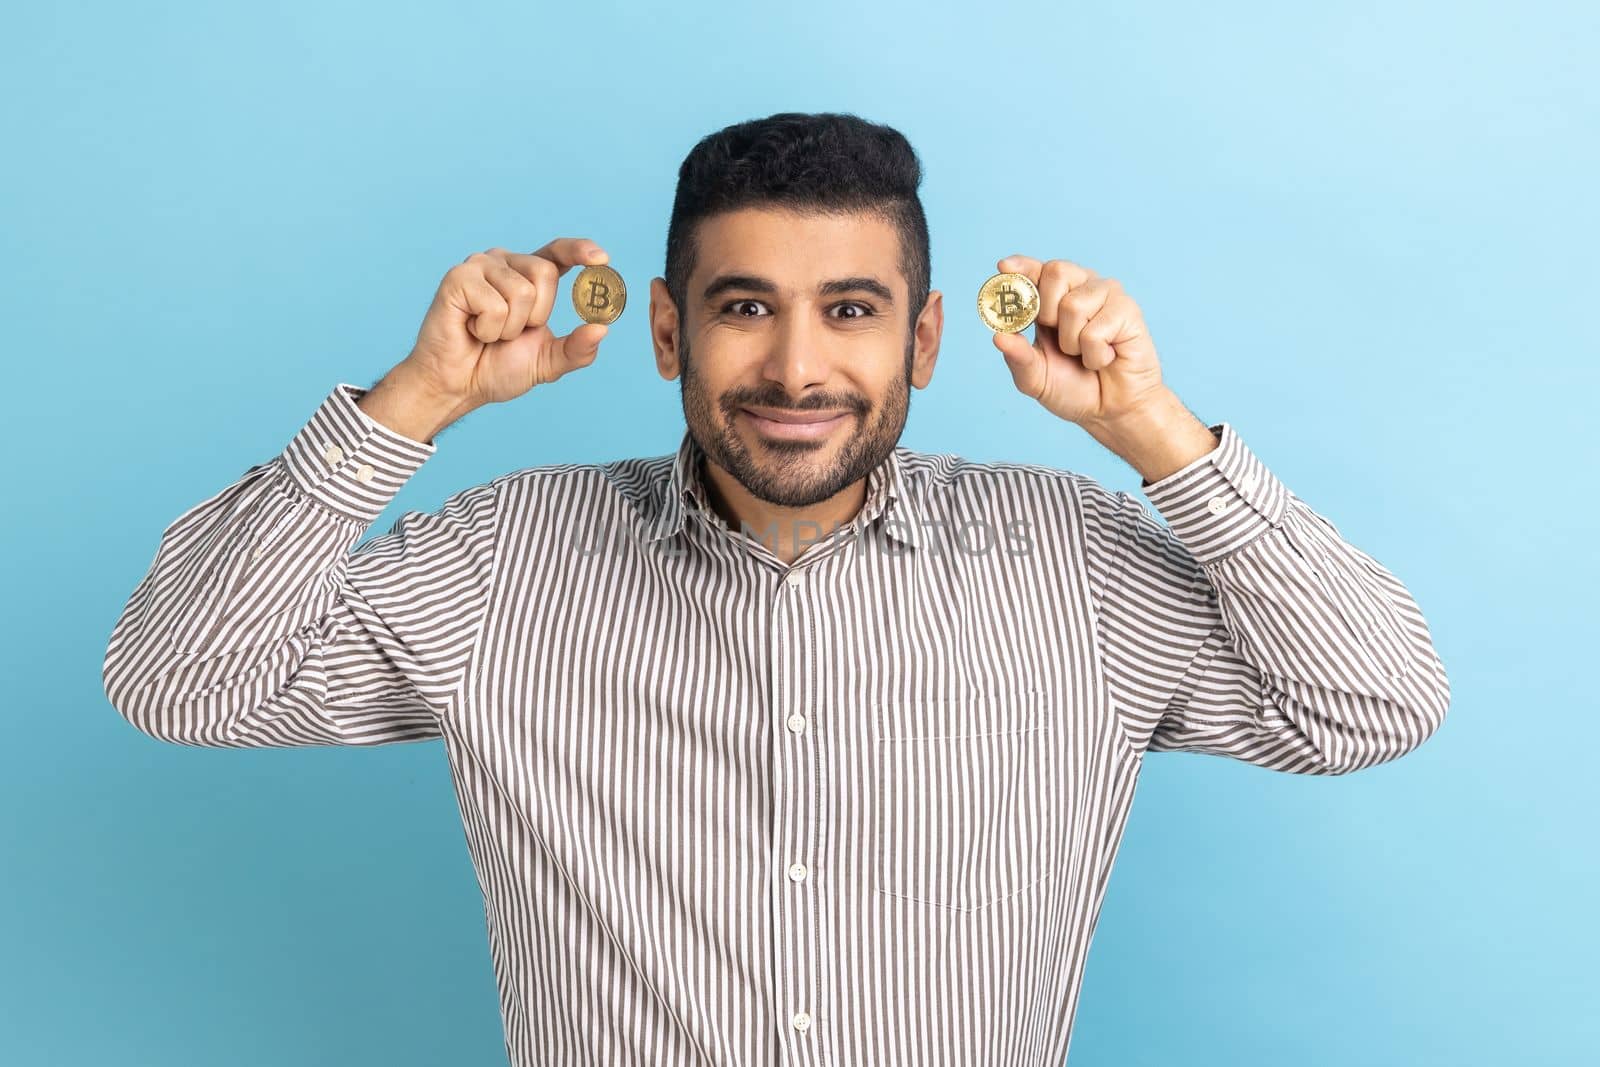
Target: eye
{"x":863,"y":310}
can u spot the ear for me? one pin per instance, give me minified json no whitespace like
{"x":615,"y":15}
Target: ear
{"x":925,"y":350}
{"x":664,"y":329}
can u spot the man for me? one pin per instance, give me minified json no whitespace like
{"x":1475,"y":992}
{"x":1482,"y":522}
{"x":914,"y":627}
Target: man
{"x":793,"y":746}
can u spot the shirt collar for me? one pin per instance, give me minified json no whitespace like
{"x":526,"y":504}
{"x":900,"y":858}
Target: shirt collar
{"x":887,"y":496}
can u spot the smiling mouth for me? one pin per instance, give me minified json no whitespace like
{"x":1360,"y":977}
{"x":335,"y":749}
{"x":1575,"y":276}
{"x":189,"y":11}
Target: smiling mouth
{"x":794,"y":425}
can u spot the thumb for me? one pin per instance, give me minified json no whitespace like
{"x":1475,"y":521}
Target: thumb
{"x":578,"y":348}
{"x":1025,"y":361}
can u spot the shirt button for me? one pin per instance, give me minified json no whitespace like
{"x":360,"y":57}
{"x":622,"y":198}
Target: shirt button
{"x":802,"y":1021}
{"x":1217,"y":504}
{"x":797,"y":872}
{"x":364,"y":473}
{"x":793,"y":578}
{"x":333,"y":455}
{"x":797,"y":722}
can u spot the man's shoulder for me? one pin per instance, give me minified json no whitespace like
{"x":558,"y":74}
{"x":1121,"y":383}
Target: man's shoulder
{"x":946,"y":474}
{"x":1056,"y":502}
{"x":639,"y":480}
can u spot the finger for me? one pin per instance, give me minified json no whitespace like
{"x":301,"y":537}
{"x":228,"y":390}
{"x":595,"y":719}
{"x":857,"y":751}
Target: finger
{"x":1022,"y":265}
{"x":486,"y":308}
{"x":1056,"y":279}
{"x":543,"y":273}
{"x":563,"y":253}
{"x":578,"y":348}
{"x":569,"y":252}
{"x":1098,"y":336}
{"x":1029,"y":369}
{"x":1073,"y":312}
{"x":519,"y":294}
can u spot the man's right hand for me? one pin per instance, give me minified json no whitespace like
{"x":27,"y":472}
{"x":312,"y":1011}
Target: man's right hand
{"x":486,"y":338}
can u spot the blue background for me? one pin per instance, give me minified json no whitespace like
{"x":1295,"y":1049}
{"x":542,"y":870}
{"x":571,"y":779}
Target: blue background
{"x":1362,"y":233}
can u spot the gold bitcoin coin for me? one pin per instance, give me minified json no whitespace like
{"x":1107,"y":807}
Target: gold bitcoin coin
{"x":598,"y":294}
{"x":1008,"y":302}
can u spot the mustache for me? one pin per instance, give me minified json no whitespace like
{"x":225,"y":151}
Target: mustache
{"x":732,"y":402}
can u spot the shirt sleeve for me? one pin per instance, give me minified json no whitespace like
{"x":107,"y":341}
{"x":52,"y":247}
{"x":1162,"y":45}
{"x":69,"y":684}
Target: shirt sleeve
{"x":259,"y":625}
{"x":1247,"y":627}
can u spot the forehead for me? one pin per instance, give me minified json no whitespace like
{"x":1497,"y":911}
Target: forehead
{"x":797,"y":249}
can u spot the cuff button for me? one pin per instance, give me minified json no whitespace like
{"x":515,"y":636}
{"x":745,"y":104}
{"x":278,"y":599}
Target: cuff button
{"x":364,"y":473}
{"x":333,"y":455}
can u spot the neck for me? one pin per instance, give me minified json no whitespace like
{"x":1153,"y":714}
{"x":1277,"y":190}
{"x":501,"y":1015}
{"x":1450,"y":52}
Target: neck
{"x":786,"y":532}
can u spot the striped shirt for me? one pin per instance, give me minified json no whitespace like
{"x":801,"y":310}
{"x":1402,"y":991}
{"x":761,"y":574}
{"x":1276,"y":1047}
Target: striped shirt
{"x":860,"y":809}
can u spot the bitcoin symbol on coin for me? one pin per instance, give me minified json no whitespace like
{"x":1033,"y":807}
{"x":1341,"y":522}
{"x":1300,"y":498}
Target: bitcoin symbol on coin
{"x":1008,"y":302}
{"x":598,"y":294}
{"x":1008,"y":305}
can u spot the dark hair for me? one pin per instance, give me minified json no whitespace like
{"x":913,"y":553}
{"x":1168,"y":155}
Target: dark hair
{"x":828,"y":161}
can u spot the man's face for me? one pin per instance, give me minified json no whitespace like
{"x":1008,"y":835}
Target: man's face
{"x":795,"y":349}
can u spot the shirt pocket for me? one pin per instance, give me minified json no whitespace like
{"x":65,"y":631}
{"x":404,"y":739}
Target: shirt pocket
{"x":962,"y":806}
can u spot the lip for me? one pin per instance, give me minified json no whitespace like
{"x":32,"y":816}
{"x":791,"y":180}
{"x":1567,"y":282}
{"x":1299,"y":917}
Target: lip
{"x":794,"y":425}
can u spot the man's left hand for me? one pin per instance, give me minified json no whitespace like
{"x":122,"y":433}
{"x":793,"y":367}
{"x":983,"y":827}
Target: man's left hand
{"x":1092,"y":361}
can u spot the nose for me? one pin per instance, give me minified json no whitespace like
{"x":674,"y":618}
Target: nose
{"x":798,"y":358}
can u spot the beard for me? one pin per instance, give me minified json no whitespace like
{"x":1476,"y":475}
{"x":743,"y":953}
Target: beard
{"x":791,"y":479}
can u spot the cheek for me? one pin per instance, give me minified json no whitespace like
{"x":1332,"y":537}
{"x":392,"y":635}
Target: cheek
{"x":704,"y":375}
{"x":884,"y":392}
{"x":723,"y":362}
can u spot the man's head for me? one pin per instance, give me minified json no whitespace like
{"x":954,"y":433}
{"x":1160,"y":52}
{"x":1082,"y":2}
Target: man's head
{"x":797,"y":285}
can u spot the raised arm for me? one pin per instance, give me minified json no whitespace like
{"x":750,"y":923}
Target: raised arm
{"x":257,"y":625}
{"x":1249,"y":628}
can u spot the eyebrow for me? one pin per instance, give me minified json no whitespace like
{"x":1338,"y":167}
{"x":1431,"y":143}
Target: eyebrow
{"x":754,"y":283}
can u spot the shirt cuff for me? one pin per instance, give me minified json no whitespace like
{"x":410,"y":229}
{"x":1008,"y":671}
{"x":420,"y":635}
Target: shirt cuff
{"x":1221,"y":501}
{"x":350,"y":462}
